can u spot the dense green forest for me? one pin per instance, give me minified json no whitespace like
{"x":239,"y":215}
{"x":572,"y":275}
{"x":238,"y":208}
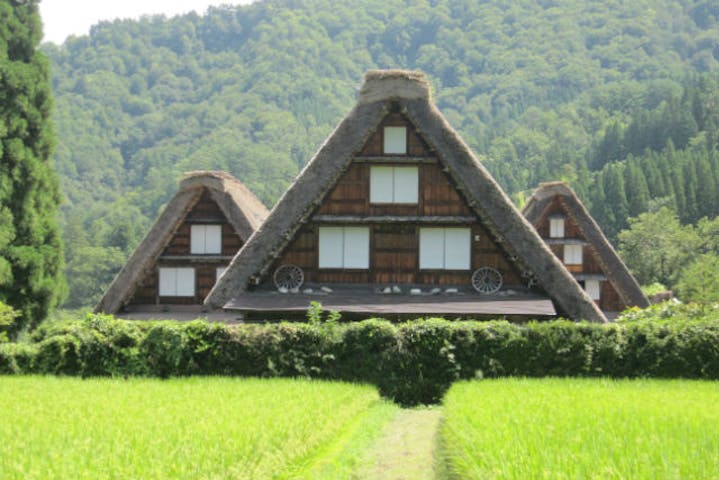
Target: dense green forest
{"x":620,"y":98}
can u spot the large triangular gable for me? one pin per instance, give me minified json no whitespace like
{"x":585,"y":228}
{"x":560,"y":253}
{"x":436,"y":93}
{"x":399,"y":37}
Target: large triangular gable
{"x":537,"y":209}
{"x":407,"y":92}
{"x":243,"y":211}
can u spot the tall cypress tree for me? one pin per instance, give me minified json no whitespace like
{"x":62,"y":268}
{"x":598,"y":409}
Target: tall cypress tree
{"x":30,"y":249}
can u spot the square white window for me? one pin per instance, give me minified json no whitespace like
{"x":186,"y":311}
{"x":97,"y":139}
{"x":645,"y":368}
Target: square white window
{"x":218,"y":272}
{"x":556,"y":227}
{"x":445,"y":248}
{"x":394,"y":184}
{"x":592,"y":288}
{"x":205,"y":239}
{"x":344,"y":247}
{"x":177,"y":282}
{"x":395,"y":140}
{"x":573,"y":254}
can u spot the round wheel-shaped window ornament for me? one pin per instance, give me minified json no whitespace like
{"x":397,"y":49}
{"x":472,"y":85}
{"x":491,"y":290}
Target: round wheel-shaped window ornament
{"x":487,"y":280}
{"x":289,"y":277}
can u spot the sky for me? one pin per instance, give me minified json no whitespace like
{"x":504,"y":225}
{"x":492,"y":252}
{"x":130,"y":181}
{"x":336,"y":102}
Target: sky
{"x":62,"y":18}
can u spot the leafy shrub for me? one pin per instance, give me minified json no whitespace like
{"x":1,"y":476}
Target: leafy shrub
{"x":413,"y":362}
{"x":17,"y":358}
{"x":424,"y":365}
{"x":59,"y":355}
{"x":7,"y":317}
{"x":671,"y":310}
{"x":165,"y":350}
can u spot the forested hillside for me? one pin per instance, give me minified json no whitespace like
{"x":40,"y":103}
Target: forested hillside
{"x":620,"y":98}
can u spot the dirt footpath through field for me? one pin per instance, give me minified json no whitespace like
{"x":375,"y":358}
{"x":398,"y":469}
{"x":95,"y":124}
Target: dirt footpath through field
{"x":405,"y":451}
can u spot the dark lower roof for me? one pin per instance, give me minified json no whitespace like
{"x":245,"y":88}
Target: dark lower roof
{"x":366,"y":301}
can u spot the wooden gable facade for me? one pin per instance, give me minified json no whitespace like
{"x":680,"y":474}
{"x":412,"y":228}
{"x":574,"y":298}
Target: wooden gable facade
{"x":394,"y":214}
{"x":204,"y":265}
{"x":394,"y":229}
{"x":574,"y":237}
{"x":188,"y":247}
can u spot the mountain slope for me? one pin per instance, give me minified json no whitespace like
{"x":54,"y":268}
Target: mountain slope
{"x":531,"y":85}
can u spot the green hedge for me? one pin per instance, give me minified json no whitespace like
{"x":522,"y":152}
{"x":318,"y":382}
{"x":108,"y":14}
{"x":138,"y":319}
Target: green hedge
{"x":413,"y":362}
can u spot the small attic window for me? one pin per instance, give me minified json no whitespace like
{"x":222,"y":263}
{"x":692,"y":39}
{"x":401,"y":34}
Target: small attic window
{"x":218,"y":272}
{"x":573,"y":254}
{"x":395,"y":140}
{"x":205,"y":239}
{"x":393,"y":184}
{"x":592,"y":288}
{"x":556,"y":227}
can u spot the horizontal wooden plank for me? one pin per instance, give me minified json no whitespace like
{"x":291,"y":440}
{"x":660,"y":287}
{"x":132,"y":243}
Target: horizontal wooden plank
{"x":196,"y":258}
{"x":394,"y":159}
{"x":444,"y":219}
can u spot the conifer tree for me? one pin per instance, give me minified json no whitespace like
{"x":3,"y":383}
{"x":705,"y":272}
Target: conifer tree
{"x":706,"y":187}
{"x":30,"y":249}
{"x":636,"y":188}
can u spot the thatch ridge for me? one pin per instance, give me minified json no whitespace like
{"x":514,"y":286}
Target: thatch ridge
{"x":381,"y":85}
{"x":479,"y":188}
{"x":239,"y":205}
{"x":614,"y":268}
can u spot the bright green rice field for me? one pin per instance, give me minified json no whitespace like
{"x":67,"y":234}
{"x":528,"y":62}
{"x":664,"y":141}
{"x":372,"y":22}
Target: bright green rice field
{"x":581,"y":429}
{"x":194,"y":428}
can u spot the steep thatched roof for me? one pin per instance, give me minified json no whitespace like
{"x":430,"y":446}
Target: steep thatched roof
{"x":410,"y":91}
{"x":614,"y":269}
{"x":243,"y":211}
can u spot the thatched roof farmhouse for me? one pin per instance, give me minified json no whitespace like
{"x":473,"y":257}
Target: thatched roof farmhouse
{"x":572,"y":234}
{"x":393,"y":215}
{"x":202,"y":227}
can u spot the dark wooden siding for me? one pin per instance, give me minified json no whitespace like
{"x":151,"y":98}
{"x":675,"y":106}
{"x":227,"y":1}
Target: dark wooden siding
{"x":394,"y":258}
{"x":206,"y":212}
{"x":591,"y":261}
{"x":609,"y":298}
{"x":437,"y":195}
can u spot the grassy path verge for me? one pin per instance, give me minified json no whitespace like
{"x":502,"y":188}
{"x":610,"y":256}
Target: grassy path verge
{"x":405,"y":450}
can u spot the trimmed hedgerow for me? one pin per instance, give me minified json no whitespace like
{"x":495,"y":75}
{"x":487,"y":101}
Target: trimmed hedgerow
{"x":413,"y":362}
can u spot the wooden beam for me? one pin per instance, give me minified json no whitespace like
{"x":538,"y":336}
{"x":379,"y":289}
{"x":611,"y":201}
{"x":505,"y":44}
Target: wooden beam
{"x":394,"y":159}
{"x":393,"y":219}
{"x":565,"y":241}
{"x":200,"y":219}
{"x":196,"y":258}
